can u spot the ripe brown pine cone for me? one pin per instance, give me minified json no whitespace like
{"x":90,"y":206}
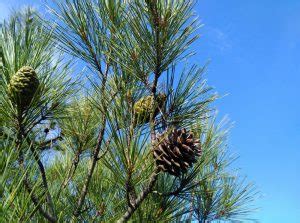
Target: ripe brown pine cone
{"x":22,"y":86}
{"x":175,"y":152}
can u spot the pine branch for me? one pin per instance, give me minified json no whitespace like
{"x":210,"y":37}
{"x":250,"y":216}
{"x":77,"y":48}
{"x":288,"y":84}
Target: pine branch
{"x":95,"y":158}
{"x":44,"y":179}
{"x":140,"y":198}
{"x":43,"y":175}
{"x":130,"y":191}
{"x":73,"y":168}
{"x":71,"y":171}
{"x":152,"y":5}
{"x":157,"y":72}
{"x":44,"y":145}
{"x":83,"y":24}
{"x":21,"y":135}
{"x":96,"y":151}
{"x":85,"y":39}
{"x":29,"y":189}
{"x":36,"y":202}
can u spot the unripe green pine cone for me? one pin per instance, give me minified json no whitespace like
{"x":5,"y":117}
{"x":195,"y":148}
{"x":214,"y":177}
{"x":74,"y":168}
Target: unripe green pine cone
{"x":143,"y":108}
{"x":22,"y":87}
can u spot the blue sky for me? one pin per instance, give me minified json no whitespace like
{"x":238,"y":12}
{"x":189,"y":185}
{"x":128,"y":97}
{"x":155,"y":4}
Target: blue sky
{"x":255,"y":51}
{"x":254,"y":48}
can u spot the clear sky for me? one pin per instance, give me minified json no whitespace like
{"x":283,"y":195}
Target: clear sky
{"x":254,"y":48}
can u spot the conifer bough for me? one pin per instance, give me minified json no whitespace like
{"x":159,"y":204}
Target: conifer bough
{"x":22,"y":87}
{"x":175,"y":152}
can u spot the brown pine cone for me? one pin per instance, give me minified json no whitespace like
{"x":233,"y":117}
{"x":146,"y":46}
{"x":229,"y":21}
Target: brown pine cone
{"x":175,"y":152}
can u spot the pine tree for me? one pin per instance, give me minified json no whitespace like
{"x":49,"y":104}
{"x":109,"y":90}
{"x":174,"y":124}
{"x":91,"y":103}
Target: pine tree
{"x":131,"y":137}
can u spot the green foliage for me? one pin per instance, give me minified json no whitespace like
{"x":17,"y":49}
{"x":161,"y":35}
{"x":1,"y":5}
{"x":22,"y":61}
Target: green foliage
{"x":80,"y":125}
{"x":24,"y":43}
{"x":84,"y":152}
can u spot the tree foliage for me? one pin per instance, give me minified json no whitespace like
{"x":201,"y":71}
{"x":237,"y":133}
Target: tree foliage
{"x":79,"y":152}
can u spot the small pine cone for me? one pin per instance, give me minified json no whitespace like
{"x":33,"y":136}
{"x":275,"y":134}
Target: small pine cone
{"x":175,"y":152}
{"x":143,"y":108}
{"x":23,"y":86}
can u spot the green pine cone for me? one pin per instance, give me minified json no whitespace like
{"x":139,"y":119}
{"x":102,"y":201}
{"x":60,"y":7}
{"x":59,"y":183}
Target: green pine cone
{"x":23,"y":86}
{"x":143,"y":108}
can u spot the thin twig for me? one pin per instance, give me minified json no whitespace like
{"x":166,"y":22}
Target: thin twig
{"x":140,"y":198}
{"x":130,"y":191}
{"x":44,"y":177}
{"x":45,"y":144}
{"x":36,"y":202}
{"x":20,"y":137}
{"x":84,"y":190}
{"x":29,"y":189}
{"x":97,"y":149}
{"x":84,"y":37}
{"x":70,"y":173}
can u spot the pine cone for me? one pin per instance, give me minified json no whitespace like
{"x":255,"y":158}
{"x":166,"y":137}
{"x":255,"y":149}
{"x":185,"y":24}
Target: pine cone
{"x":175,"y":152}
{"x":23,"y":86}
{"x":143,"y":108}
